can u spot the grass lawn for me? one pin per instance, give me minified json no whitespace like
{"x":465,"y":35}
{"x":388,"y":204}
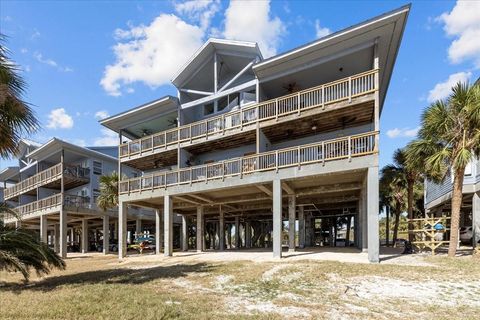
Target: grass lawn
{"x":99,"y":287}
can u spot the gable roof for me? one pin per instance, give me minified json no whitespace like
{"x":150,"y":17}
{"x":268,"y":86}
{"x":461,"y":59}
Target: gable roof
{"x":206,"y":52}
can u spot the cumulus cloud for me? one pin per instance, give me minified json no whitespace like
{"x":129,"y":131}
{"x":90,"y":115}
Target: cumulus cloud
{"x":102,"y":114}
{"x":443,"y":89}
{"x":201,"y":11}
{"x":49,"y":62}
{"x":402,"y":132}
{"x":151,"y":53}
{"x":252,"y":21}
{"x":321,"y":31}
{"x":59,"y":119}
{"x":463,"y":23}
{"x":108,"y":138}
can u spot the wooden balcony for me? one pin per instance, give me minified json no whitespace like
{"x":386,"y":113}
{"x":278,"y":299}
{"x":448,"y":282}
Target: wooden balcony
{"x":299,"y":103}
{"x":73,"y":177}
{"x":321,"y":152}
{"x":52,"y":203}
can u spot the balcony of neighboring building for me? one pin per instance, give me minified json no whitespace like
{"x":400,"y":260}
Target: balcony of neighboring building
{"x":348,"y":99}
{"x":73,"y":176}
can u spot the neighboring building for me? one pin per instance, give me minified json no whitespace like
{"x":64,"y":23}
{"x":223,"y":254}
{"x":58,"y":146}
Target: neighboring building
{"x":249,"y":142}
{"x":54,"y":189}
{"x":438,"y":198}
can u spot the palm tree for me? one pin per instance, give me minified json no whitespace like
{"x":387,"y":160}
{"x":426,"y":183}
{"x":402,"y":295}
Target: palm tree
{"x":22,"y":250}
{"x":448,"y":139}
{"x":16,"y":117}
{"x":108,"y":197}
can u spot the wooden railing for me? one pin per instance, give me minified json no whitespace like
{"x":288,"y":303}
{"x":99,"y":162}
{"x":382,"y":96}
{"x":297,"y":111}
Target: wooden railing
{"x":341,"y":148}
{"x":50,"y":202}
{"x":42,"y":204}
{"x":317,"y":97}
{"x":45,"y":176}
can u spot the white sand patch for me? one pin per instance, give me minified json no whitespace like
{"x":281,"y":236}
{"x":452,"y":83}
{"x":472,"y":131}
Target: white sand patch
{"x":170,"y":302}
{"x":249,"y":306}
{"x":269,"y":274}
{"x":426,"y":292}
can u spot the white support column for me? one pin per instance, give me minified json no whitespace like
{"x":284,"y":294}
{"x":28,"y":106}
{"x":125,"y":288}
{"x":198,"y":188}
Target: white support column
{"x":237,"y":232}
{"x":122,"y":230}
{"x":43,"y":229}
{"x":138,"y":227}
{"x":184,"y":233}
{"x":63,"y":234}
{"x":106,"y":234}
{"x":221,"y":233}
{"x":248,"y":234}
{"x":56,"y":240}
{"x":200,"y":234}
{"x":301,"y":227}
{"x":84,"y":235}
{"x":158,"y":231}
{"x":168,"y":225}
{"x":291,"y":222}
{"x":277,"y":218}
{"x":476,"y":218}
{"x":372,"y":215}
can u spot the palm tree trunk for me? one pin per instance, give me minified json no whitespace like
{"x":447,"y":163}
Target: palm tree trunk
{"x":455,"y":214}
{"x":398,"y":212}
{"x":410,"y":209}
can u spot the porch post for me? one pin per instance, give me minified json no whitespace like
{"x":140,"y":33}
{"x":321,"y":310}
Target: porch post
{"x":158,"y":231}
{"x":63,"y":233}
{"x":106,"y":234}
{"x":184,"y":233}
{"x":122,"y":230}
{"x":200,"y":229}
{"x":277,"y":218}
{"x":84,"y":235}
{"x":43,"y":228}
{"x":221,"y":235}
{"x":476,"y":217}
{"x":237,"y":232}
{"x":301,"y":227}
{"x":291,"y":222}
{"x":168,"y":225}
{"x":372,"y":212}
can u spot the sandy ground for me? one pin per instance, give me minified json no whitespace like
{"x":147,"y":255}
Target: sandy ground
{"x":349,"y":255}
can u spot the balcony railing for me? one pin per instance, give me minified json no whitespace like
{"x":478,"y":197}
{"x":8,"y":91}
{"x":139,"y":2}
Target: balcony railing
{"x":44,"y":177}
{"x":341,"y":148}
{"x":51,"y":202}
{"x":317,"y":97}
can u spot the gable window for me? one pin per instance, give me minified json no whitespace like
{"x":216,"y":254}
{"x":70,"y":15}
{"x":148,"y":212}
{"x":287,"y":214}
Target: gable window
{"x":97,"y":167}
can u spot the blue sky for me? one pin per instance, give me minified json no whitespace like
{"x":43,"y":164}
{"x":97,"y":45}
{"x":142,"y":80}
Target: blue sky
{"x":85,"y":60}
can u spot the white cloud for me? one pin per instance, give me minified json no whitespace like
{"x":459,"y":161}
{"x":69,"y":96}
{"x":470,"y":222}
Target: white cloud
{"x":151,"y":54}
{"x":402,"y":132}
{"x":108,"y":138}
{"x":321,"y":31}
{"x":49,"y":62}
{"x":252,"y":21}
{"x":102,"y":114}
{"x":463,"y":23}
{"x":443,"y":89}
{"x":24,"y":50}
{"x":199,"y":11}
{"x":58,"y":118}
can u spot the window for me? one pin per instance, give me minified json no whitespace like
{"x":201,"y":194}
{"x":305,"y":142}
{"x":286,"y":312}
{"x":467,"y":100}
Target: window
{"x":96,"y":193}
{"x":97,"y":167}
{"x":208,"y":109}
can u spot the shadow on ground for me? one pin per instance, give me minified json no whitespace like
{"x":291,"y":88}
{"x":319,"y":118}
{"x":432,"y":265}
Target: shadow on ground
{"x":110,"y":276}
